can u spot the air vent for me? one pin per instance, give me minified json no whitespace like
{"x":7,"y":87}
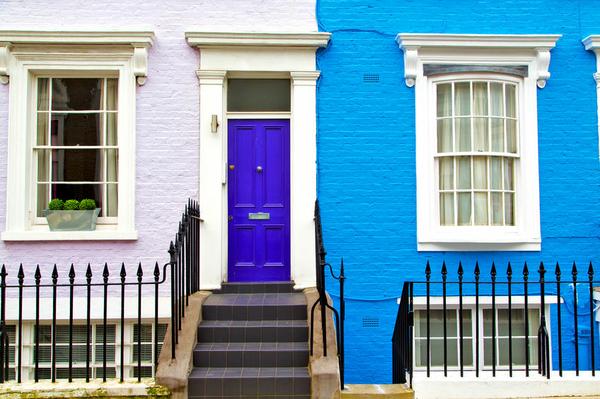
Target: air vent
{"x":370,"y":322}
{"x":371,"y":78}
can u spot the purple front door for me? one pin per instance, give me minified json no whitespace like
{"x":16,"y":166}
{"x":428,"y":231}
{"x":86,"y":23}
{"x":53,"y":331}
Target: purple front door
{"x":258,"y":200}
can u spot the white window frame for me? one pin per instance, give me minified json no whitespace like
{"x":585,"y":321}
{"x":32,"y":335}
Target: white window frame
{"x":485,"y":303}
{"x":532,"y":51}
{"x":592,"y":43}
{"x":26,"y":55}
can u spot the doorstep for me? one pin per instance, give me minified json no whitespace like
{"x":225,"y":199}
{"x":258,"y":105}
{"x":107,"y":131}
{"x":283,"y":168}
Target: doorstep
{"x":390,"y":391}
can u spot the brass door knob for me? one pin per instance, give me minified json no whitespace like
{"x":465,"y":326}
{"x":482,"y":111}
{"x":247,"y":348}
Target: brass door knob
{"x":259,"y":169}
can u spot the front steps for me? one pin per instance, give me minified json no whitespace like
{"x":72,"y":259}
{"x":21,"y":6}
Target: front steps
{"x":252,"y":343}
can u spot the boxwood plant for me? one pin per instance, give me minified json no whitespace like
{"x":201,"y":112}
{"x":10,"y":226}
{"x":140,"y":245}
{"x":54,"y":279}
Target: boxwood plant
{"x":72,"y":205}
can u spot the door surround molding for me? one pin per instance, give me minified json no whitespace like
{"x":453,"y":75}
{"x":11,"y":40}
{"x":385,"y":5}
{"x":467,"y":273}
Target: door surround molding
{"x":257,"y":55}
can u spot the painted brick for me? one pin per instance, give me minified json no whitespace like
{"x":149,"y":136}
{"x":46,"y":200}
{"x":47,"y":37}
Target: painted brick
{"x":366,"y":156}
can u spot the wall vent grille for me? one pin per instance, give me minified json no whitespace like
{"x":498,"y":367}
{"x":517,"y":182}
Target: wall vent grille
{"x":370,"y":322}
{"x":371,"y":78}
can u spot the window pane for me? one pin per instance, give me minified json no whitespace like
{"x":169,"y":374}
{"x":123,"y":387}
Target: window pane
{"x":497,"y":209}
{"x":464,"y":209}
{"x":43,"y":171}
{"x":467,"y":332}
{"x":462,"y":95}
{"x":481,"y":214}
{"x":496,"y":99}
{"x":112,"y":204}
{"x":444,"y":100}
{"x":42,"y":94}
{"x":508,"y":174}
{"x":511,"y":135}
{"x":42,"y":199}
{"x":112,"y":165}
{"x":76,"y":165}
{"x":464,"y":172}
{"x":76,"y":129}
{"x":42,"y":128}
{"x":78,"y":192}
{"x":112,"y":88}
{"x":421,"y":353}
{"x":511,"y":101}
{"x":467,"y":351}
{"x":480,"y":172}
{"x":446,"y":209}
{"x":496,"y":173}
{"x":480,"y":98}
{"x":497,"y":134}
{"x":254,"y":95}
{"x":487,"y":352}
{"x":452,"y":352}
{"x":446,"y":173}
{"x":444,"y":135}
{"x":463,"y":134}
{"x":437,"y":353}
{"x":480,"y":134}
{"x":509,"y":209}
{"x":111,"y":129}
{"x":76,"y":94}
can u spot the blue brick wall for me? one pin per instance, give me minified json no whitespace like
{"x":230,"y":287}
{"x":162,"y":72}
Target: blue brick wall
{"x":366,"y":155}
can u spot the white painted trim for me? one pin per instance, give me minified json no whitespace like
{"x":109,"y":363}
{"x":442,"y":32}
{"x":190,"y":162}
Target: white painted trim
{"x":503,"y":386}
{"x":592,"y":43}
{"x":532,"y":51}
{"x":257,"y":55}
{"x":71,"y":56}
{"x":417,"y":45}
{"x":96,"y":308}
{"x":260,"y":39}
{"x":259,"y":115}
{"x":420,"y":302}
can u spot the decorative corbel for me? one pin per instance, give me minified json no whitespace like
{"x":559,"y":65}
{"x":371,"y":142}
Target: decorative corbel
{"x":543,"y":63}
{"x":4,"y":56}
{"x":411,"y":57}
{"x":140,"y":62}
{"x":597,"y":79}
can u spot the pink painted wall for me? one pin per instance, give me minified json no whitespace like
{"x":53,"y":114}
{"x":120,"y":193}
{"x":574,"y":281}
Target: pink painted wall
{"x":167,"y":112}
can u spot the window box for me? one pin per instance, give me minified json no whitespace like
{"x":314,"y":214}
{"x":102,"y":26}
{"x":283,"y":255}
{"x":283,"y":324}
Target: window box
{"x":80,"y":220}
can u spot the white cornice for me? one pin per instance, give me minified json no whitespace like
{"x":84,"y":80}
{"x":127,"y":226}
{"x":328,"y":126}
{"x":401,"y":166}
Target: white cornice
{"x":136,"y":39}
{"x":476,"y":41}
{"x":139,"y":41}
{"x":592,"y":42}
{"x":537,"y":48}
{"x":227,"y":39}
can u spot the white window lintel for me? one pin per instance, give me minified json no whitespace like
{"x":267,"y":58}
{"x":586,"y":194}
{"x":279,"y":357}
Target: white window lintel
{"x":261,"y":39}
{"x":592,"y":43}
{"x":496,"y":49}
{"x":138,"y":41}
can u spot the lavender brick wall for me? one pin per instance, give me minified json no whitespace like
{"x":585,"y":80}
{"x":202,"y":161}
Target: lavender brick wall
{"x":167,"y":112}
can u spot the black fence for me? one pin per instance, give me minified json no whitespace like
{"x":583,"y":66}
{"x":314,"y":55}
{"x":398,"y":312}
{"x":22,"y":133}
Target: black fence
{"x":519,"y":342}
{"x":184,"y":262}
{"x":321,"y":264}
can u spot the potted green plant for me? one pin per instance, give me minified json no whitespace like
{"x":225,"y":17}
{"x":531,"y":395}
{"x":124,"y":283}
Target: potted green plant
{"x":72,"y":215}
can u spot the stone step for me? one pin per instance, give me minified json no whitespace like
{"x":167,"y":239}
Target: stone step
{"x":263,"y":306}
{"x":249,"y":382}
{"x":251,"y":354}
{"x":253,"y":331}
{"x":277,"y":287}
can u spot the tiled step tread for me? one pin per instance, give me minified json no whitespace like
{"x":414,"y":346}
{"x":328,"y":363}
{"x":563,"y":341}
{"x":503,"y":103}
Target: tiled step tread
{"x":252,"y":323}
{"x":257,"y":382}
{"x":252,"y":346}
{"x":251,"y":354}
{"x":261,"y":299}
{"x":247,"y":288}
{"x":252,"y":330}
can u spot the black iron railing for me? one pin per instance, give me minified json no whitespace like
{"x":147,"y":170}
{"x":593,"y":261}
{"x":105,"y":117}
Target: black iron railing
{"x":49,"y":291}
{"x":444,"y":302}
{"x":322,"y":301}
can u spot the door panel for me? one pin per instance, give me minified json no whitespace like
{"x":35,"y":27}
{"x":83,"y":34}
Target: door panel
{"x":258,"y":200}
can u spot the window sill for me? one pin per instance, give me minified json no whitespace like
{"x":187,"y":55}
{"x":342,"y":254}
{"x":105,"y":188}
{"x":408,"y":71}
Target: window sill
{"x":101,"y":234}
{"x":479,"y":246}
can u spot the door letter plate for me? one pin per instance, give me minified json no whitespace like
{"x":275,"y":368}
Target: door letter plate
{"x":259,"y":216}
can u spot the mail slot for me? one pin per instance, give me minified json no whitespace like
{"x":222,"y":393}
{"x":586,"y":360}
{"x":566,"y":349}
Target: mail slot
{"x":259,"y":216}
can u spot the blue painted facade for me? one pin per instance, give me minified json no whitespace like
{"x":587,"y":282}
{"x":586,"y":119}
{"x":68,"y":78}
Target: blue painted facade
{"x":366,"y":158}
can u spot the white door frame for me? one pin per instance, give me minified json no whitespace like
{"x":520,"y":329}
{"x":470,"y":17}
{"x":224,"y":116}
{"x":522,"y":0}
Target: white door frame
{"x":258,"y":54}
